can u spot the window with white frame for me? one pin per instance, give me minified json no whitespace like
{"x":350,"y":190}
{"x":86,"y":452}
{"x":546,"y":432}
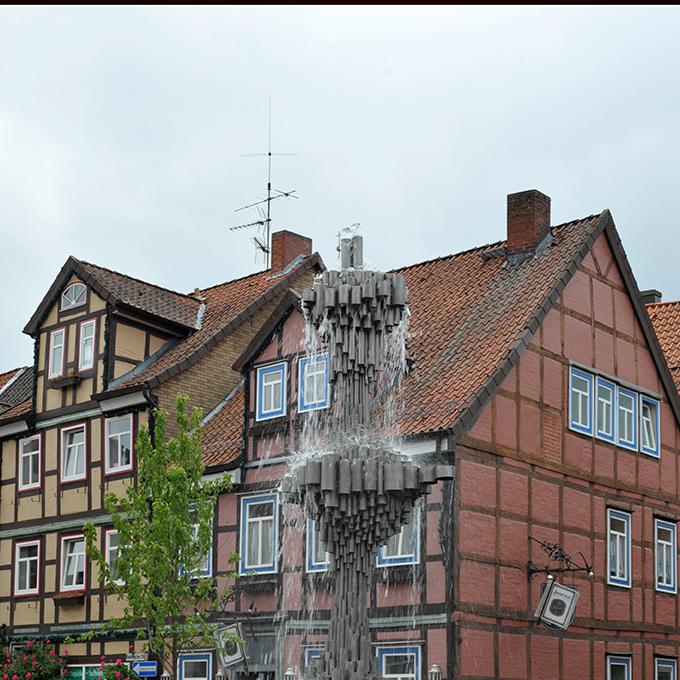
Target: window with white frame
{"x":402,"y":548}
{"x":313,"y":383}
{"x":56,"y":354}
{"x":73,"y":563}
{"x":118,"y":444}
{"x":27,"y":568}
{"x":86,"y":348}
{"x":399,"y":662}
{"x":29,"y":463}
{"x":665,"y":669}
{"x":112,"y":552}
{"x":195,"y":666}
{"x":205,"y":568}
{"x":318,"y":558}
{"x":271,"y":391}
{"x":312,"y":653}
{"x":627,"y":418}
{"x":665,"y":555}
{"x":73,"y":453}
{"x":259,"y":534}
{"x":619,"y":547}
{"x":605,"y":412}
{"x":580,"y":401}
{"x":619,"y":668}
{"x":74,"y":296}
{"x":649,"y":426}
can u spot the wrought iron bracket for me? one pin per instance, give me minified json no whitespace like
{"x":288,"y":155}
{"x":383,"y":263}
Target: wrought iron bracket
{"x":565,"y":562}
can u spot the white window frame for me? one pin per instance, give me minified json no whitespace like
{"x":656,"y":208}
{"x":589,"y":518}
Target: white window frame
{"x":64,"y":555}
{"x":246,"y":521}
{"x":626,"y":517}
{"x":52,"y":371}
{"x":17,"y":548}
{"x":63,"y":433}
{"x":654,"y":451}
{"x":108,"y":469}
{"x":402,"y":649}
{"x":670,"y":581}
{"x":311,"y":563}
{"x":578,"y":426}
{"x":661,"y":663}
{"x":383,"y":560}
{"x":312,"y":653}
{"x":195,"y":656}
{"x":108,"y":549}
{"x":624,"y":661}
{"x":631,"y":444}
{"x":600,"y":432}
{"x":75,"y":304}
{"x":22,"y":486}
{"x":303,"y":365}
{"x":89,"y":323}
{"x":266,"y":414}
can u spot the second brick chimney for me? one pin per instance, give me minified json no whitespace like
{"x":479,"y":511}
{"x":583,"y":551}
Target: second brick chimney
{"x":528,"y":221}
{"x":286,"y":246}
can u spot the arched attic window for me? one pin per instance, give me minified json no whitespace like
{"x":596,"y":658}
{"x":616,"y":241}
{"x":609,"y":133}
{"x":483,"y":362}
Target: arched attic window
{"x":73,"y":296}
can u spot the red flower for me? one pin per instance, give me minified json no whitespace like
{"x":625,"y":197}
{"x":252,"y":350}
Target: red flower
{"x":29,"y":644}
{"x":52,"y":652}
{"x":66,"y":651}
{"x":5,"y":676}
{"x":119,"y":662}
{"x":117,"y":674}
{"x":28,"y":675}
{"x":15,"y":677}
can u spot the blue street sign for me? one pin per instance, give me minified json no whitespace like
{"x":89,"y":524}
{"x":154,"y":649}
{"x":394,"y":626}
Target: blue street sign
{"x":145,"y":669}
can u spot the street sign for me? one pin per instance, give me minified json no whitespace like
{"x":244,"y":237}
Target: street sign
{"x":145,"y":669}
{"x":137,"y":656}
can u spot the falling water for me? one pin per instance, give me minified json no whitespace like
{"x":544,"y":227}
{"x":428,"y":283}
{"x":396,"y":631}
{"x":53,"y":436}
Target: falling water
{"x":348,"y":479}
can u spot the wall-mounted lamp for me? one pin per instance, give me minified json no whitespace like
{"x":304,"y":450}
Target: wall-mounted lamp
{"x":435,"y":673}
{"x":289,"y":674}
{"x":220,"y":675}
{"x":165,"y":675}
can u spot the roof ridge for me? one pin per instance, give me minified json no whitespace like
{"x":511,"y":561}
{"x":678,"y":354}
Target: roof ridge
{"x":488,"y":246}
{"x":663,"y":302}
{"x":240,"y":278}
{"x":134,"y":278}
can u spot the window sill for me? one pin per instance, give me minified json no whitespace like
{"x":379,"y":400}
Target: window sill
{"x":69,"y":597}
{"x":398,"y":573}
{"x":259,"y":582}
{"x":64,"y":381}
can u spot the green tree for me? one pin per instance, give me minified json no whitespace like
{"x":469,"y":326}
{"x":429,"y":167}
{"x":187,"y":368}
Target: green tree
{"x":164,"y":526}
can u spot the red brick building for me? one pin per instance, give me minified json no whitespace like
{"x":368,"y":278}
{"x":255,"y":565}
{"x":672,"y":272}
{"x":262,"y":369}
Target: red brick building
{"x":537,"y":373}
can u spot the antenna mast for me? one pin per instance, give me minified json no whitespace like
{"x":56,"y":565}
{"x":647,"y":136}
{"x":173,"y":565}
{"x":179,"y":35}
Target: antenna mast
{"x":264,"y":223}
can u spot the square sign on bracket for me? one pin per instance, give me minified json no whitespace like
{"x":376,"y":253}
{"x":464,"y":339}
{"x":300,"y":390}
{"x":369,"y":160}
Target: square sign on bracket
{"x":557,"y":605}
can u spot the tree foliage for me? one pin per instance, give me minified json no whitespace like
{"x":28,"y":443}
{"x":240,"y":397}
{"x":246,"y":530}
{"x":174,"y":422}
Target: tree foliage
{"x":164,"y":524}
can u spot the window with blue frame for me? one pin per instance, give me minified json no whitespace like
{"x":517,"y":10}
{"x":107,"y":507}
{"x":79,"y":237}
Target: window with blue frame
{"x":605,"y":410}
{"x":618,"y":547}
{"x":259,"y":534}
{"x":271,"y":391}
{"x":404,"y":547}
{"x":195,"y":666}
{"x":399,"y":662}
{"x":312,"y":653}
{"x":649,"y":426}
{"x":580,"y":401}
{"x":317,"y":557}
{"x":313,"y":383}
{"x":619,"y":668}
{"x":665,"y":669}
{"x":665,"y":556}
{"x":627,"y":418}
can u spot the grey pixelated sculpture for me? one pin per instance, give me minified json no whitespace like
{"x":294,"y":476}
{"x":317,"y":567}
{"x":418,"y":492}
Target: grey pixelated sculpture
{"x":361,"y":492}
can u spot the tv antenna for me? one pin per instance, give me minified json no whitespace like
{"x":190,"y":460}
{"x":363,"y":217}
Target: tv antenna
{"x":262,"y":239}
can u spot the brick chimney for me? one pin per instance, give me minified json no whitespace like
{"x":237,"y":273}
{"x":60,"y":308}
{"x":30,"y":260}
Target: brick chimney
{"x":528,"y":221}
{"x":286,"y":246}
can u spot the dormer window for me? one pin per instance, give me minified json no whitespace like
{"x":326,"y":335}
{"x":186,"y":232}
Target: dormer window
{"x":74,"y":296}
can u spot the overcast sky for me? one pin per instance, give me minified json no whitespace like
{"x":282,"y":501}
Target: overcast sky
{"x":122,"y":132}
